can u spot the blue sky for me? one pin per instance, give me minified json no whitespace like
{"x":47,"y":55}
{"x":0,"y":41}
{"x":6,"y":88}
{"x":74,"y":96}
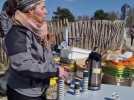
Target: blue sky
{"x":84,"y":7}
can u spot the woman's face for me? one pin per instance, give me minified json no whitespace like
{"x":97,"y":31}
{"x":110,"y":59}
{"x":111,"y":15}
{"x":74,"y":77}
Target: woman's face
{"x":40,"y":11}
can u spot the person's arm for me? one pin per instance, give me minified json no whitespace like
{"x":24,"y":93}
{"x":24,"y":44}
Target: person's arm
{"x":27,"y":66}
{"x":6,"y":22}
{"x":18,"y":49}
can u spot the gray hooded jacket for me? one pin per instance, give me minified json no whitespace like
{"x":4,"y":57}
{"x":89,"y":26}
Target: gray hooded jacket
{"x":31,"y":65}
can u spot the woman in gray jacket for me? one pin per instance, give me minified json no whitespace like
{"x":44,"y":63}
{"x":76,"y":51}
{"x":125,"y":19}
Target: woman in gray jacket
{"x":29,"y":52}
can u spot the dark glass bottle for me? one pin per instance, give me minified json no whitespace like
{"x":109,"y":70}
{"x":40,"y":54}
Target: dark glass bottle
{"x":94,"y":68}
{"x":77,"y":88}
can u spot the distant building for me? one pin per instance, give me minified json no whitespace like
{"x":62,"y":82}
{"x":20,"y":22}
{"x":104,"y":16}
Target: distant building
{"x":124,"y":11}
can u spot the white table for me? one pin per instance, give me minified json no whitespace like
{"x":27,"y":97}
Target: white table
{"x":125,"y":93}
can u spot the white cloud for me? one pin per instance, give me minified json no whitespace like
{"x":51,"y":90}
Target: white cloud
{"x":69,"y":0}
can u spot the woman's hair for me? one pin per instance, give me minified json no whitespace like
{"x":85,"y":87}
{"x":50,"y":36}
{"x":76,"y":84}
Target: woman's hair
{"x":11,"y":7}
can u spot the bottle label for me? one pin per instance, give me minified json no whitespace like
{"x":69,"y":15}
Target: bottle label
{"x":96,"y":70}
{"x":77,"y":91}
